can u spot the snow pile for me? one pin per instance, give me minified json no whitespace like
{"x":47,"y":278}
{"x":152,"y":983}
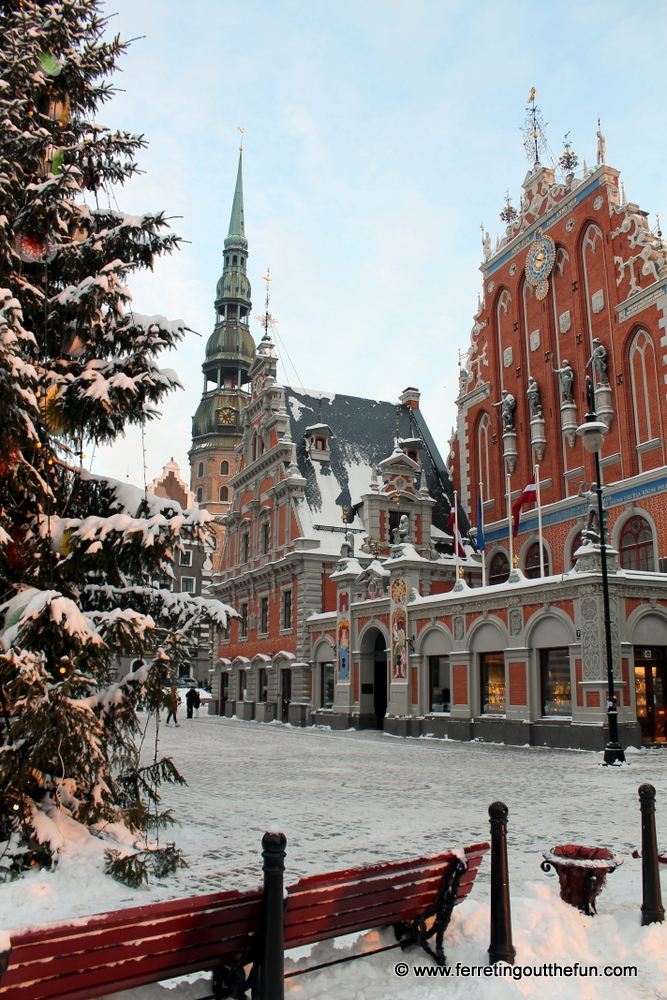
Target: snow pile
{"x":548,"y":935}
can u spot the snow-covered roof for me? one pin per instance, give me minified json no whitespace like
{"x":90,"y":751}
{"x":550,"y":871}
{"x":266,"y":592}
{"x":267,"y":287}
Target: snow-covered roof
{"x":362,"y":435}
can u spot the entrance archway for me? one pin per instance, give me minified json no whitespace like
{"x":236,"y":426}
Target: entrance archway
{"x":374,"y":687}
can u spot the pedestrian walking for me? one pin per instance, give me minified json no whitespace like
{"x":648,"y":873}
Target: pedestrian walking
{"x":172,"y":705}
{"x":192,"y":702}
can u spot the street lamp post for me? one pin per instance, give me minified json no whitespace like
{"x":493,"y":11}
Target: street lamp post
{"x":592,"y":433}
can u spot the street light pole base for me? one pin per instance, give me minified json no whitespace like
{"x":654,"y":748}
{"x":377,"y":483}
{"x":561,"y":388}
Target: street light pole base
{"x":613,"y":754}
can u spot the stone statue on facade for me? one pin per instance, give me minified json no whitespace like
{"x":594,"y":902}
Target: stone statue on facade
{"x":404,"y":528}
{"x":602,"y":147}
{"x":598,"y":360}
{"x":507,"y":406}
{"x":591,"y":533}
{"x":487,"y":246}
{"x":464,"y":379}
{"x":533,"y":393}
{"x":566,"y":380}
{"x":347,"y":548}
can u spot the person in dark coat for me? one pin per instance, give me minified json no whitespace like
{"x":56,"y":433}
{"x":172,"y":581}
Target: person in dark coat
{"x":192,"y":701}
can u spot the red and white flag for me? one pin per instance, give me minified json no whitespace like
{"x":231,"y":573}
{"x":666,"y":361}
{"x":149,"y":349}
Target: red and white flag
{"x":529,"y":495}
{"x":453,"y":528}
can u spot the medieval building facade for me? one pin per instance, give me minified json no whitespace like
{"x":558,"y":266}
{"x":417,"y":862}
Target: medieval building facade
{"x":375,"y":621}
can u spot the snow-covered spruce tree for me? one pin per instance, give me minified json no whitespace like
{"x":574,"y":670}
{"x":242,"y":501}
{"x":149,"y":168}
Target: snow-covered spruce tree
{"x":84,"y":562}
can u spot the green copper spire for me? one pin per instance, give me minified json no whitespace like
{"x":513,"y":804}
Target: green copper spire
{"x":236,"y":235}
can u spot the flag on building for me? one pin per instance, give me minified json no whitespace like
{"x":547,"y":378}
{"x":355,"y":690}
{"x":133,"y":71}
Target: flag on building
{"x":529,"y":495}
{"x":453,"y":528}
{"x":481,"y":541}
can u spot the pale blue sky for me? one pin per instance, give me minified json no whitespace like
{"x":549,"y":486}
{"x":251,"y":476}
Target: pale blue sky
{"x":379,"y":134}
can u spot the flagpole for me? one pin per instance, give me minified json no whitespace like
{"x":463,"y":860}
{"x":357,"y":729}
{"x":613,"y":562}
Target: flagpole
{"x":481,"y":517}
{"x":509,"y":517}
{"x":539,"y":518}
{"x":456,"y":531}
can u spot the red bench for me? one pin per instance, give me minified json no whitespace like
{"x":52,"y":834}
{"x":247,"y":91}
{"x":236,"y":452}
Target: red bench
{"x":225,"y":932}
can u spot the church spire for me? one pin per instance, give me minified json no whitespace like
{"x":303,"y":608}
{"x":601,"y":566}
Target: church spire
{"x":236,"y":236}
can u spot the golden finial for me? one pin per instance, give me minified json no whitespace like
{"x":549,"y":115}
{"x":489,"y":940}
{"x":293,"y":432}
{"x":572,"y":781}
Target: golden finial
{"x":242,"y":131}
{"x":516,"y":562}
{"x":531,"y":96}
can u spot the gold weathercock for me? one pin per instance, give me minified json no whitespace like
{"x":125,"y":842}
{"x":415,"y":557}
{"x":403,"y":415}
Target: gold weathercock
{"x":242,"y":131}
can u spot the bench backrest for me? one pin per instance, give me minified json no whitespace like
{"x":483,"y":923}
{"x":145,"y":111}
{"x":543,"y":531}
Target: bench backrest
{"x":117,"y":951}
{"x":326,"y":906}
{"x":80,"y":959}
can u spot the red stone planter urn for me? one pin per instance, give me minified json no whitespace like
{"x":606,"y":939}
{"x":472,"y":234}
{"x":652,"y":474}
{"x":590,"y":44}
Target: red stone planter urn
{"x":582,"y":873}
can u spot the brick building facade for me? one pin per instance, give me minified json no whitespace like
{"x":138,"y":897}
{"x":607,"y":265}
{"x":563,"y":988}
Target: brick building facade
{"x":381,"y":634}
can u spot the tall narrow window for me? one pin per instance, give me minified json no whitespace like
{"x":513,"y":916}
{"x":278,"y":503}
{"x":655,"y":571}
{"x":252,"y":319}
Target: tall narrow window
{"x":532,"y":562}
{"x":644,"y":388}
{"x":556,"y":684}
{"x":264,"y":615}
{"x":243,"y":685}
{"x":224,"y":493}
{"x":224,"y":468}
{"x":636,"y":545}
{"x":266,"y":537}
{"x":287,"y":608}
{"x":492,"y":678}
{"x":200,"y":494}
{"x":327,"y":682}
{"x":200,"y":469}
{"x":483,"y":435}
{"x":243,"y":622}
{"x":245,"y":546}
{"x":499,"y":568}
{"x":262,"y":684}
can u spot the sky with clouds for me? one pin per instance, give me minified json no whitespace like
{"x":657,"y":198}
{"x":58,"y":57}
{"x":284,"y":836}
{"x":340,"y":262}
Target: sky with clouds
{"x":379,"y":135}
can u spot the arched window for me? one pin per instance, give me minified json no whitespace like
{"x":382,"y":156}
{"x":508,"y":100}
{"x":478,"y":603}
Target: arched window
{"x":483,"y":435}
{"x":224,"y":468}
{"x":224,"y":493}
{"x":266,"y":536}
{"x":200,"y":470}
{"x":576,"y":542}
{"x":499,"y":568}
{"x":532,"y":562}
{"x":636,"y":545}
{"x":644,"y":388}
{"x":200,"y":494}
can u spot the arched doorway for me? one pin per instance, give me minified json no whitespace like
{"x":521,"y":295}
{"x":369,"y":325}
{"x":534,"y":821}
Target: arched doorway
{"x":374,"y":688}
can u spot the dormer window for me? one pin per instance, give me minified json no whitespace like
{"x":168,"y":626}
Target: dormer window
{"x":317,"y":442}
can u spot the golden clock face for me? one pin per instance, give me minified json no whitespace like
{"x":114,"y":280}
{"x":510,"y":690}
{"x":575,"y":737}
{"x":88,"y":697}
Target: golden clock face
{"x":540,"y":259}
{"x":227,"y":415}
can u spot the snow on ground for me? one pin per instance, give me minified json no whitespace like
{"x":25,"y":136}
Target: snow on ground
{"x":345,"y":799}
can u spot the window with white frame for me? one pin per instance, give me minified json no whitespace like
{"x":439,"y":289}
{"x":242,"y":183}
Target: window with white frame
{"x":287,"y":609}
{"x":264,"y":615}
{"x":187,"y":584}
{"x":186,"y":558}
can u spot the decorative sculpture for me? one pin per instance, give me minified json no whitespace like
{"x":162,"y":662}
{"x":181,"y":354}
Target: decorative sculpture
{"x":347,"y":548}
{"x":590,"y":533}
{"x":566,"y":380}
{"x":533,"y":393}
{"x":507,"y":406}
{"x":602,"y":146}
{"x":598,"y":360}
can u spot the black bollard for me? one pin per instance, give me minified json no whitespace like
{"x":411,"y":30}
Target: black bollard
{"x":652,"y":909}
{"x":501,"y":948}
{"x":272,"y":965}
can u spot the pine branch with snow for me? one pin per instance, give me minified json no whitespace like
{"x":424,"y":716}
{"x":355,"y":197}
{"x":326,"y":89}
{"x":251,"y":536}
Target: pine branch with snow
{"x":85,"y":562}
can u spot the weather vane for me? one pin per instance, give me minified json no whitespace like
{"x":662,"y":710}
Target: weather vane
{"x":569,"y":160}
{"x":267,"y":319}
{"x":534,"y":140}
{"x":242,"y":131}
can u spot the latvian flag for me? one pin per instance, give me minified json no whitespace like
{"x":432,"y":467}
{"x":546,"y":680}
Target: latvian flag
{"x":529,"y":495}
{"x":453,"y":529}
